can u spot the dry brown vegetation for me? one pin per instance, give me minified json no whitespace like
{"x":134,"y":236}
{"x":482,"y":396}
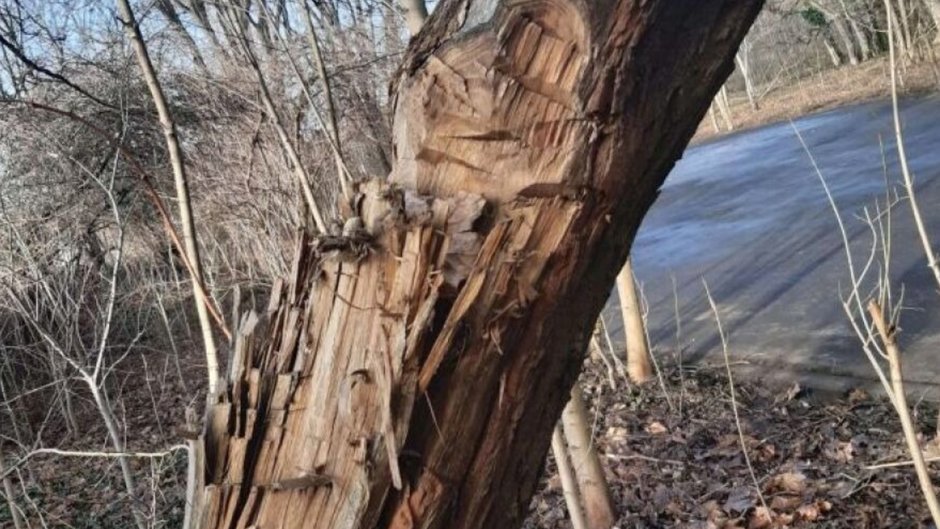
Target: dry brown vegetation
{"x":277,"y":105}
{"x":826,"y":90}
{"x":814,"y":456}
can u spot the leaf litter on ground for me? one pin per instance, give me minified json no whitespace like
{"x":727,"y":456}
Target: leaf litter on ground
{"x":672,"y":468}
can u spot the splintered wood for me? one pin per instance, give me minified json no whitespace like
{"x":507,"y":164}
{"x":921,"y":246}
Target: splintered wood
{"x":499,"y":113}
{"x":408,"y":374}
{"x":321,"y":388}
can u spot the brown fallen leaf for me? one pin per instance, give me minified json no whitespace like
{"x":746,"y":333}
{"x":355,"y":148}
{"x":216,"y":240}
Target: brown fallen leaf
{"x":656,"y":428}
{"x":813,"y":511}
{"x":857,"y":395}
{"x":739,"y":500}
{"x":794,"y":391}
{"x":932,"y":448}
{"x":765,"y":452}
{"x":842,"y":452}
{"x":790,"y":482}
{"x":761,"y":518}
{"x":785,"y":503}
{"x":713,"y":512}
{"x":616,"y":434}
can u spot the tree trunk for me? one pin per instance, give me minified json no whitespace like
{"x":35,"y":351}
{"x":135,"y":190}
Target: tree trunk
{"x":933,"y":7}
{"x":833,"y":51}
{"x":745,"y":68}
{"x":16,"y":514}
{"x":714,"y":118}
{"x":592,"y":484}
{"x":410,"y":373}
{"x":639,"y":368}
{"x":862,"y":39}
{"x":569,"y":485}
{"x":725,"y":107}
{"x":181,"y":183}
{"x":415,"y":14}
{"x":847,"y":43}
{"x":903,"y":16}
{"x":169,"y":12}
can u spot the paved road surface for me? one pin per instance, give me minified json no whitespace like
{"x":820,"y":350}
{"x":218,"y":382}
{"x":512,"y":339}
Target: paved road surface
{"x":747,"y":213}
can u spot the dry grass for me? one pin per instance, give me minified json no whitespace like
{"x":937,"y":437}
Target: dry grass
{"x":826,"y":90}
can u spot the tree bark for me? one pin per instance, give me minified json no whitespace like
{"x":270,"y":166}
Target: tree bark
{"x":847,"y":43}
{"x":181,"y":183}
{"x":933,"y":7}
{"x":410,"y":373}
{"x":15,"y":514}
{"x":569,"y":485}
{"x":639,"y":368}
{"x":745,"y":68}
{"x":592,"y":484}
{"x":832,"y":50}
{"x":861,"y":37}
{"x":903,"y":16}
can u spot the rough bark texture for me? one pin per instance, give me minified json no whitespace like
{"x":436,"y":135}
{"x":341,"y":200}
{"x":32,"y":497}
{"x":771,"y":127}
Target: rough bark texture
{"x":410,"y":374}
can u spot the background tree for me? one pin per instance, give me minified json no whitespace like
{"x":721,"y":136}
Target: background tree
{"x":639,"y":368}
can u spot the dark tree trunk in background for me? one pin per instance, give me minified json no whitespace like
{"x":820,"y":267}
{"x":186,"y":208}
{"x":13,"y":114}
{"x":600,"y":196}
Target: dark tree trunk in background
{"x":410,"y":374}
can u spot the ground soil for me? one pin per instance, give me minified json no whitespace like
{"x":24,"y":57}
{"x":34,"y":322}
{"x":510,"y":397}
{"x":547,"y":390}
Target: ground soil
{"x":670,"y":462}
{"x":679,"y":462}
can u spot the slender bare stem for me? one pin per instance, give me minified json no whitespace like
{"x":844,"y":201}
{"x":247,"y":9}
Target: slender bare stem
{"x":902,"y":156}
{"x":734,"y":400}
{"x":907,"y":424}
{"x":568,"y":482}
{"x":182,"y":186}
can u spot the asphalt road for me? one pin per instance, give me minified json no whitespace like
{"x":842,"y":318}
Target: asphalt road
{"x":747,"y":213}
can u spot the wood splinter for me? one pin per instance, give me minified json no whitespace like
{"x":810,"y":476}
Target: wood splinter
{"x":307,"y":481}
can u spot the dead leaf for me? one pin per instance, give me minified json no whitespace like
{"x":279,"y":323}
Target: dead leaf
{"x":813,"y":511}
{"x":794,"y":391}
{"x":785,"y":503}
{"x":765,"y":452}
{"x":739,"y":500}
{"x":932,"y":449}
{"x":616,"y":434}
{"x":857,"y":395}
{"x":713,"y":512}
{"x":761,"y":518}
{"x":656,"y":428}
{"x":842,"y":452}
{"x":789,"y":482}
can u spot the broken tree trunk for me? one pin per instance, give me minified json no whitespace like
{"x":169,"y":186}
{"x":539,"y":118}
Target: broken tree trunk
{"x":409,"y":373}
